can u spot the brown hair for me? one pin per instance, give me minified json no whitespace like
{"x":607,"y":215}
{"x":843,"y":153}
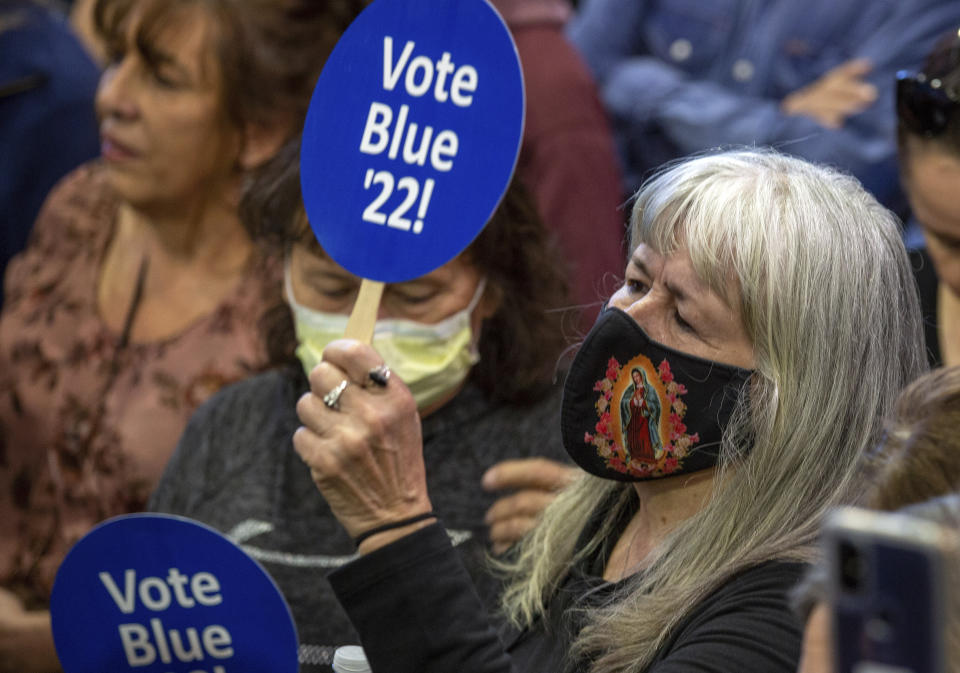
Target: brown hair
{"x":919,"y":457}
{"x":519,"y":345}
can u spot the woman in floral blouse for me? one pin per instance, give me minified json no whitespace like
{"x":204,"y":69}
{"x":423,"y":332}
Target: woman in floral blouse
{"x":140,"y":293}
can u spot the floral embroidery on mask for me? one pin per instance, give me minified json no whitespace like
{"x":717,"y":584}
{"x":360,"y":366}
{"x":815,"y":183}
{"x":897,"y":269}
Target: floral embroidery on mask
{"x":640,"y":430}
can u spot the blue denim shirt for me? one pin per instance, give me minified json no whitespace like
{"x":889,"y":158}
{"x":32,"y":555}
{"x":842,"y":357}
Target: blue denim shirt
{"x":683,"y":76}
{"x":47,"y":120}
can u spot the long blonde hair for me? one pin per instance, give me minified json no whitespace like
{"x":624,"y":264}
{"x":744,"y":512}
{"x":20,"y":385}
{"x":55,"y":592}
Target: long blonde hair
{"x":829,"y":302}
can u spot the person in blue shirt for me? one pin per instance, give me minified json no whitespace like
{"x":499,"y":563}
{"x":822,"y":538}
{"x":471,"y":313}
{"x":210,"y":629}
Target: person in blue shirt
{"x":813,"y":78}
{"x":47,"y":120}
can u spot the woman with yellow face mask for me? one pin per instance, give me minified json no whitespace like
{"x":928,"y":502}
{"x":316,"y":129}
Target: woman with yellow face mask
{"x":477,"y":341}
{"x":426,"y":331}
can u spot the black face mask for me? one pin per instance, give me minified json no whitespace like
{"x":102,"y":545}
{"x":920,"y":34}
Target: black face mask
{"x":634,"y":409}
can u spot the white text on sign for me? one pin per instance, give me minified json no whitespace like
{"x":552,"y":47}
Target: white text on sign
{"x":464,"y":79}
{"x":397,"y":134}
{"x":143,"y":645}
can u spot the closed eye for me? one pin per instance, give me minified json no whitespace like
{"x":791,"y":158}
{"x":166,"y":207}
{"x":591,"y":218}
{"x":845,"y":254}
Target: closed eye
{"x":415,"y":297}
{"x":164,"y":79}
{"x":338,"y":292}
{"x":681,"y":323}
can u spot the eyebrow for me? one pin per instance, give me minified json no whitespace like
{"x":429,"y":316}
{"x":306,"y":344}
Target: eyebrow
{"x":638,"y":262}
{"x":158,"y":58}
{"x":329,"y":274}
{"x":421,"y":283}
{"x":676,"y":291}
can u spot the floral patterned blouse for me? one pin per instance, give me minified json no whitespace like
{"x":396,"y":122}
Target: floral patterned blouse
{"x":87,"y":421}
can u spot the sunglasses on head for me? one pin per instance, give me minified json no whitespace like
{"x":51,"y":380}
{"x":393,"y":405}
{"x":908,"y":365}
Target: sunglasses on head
{"x":925,"y":106}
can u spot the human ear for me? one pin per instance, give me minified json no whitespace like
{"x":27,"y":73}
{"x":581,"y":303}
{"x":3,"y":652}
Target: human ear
{"x":489,"y":302}
{"x":261,"y":142}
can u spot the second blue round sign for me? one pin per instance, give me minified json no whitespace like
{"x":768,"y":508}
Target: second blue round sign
{"x":154,"y":593}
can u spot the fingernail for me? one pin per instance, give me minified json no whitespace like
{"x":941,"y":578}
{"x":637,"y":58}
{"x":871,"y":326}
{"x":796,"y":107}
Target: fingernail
{"x":489,"y":479}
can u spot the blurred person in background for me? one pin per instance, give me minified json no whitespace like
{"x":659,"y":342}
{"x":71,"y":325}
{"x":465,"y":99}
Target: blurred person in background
{"x":47,"y":121}
{"x":567,"y":159}
{"x":140,"y":292}
{"x":814,"y":79}
{"x":928,"y":134}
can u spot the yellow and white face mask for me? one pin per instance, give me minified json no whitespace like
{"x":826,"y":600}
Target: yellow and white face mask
{"x":431,"y":360}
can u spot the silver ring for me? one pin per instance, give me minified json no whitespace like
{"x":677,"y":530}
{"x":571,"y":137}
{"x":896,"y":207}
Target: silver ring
{"x":380,"y":375}
{"x":332,"y":398}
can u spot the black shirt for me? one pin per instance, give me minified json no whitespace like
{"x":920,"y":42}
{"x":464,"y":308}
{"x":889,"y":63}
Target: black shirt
{"x":927,"y":284}
{"x":417,"y":612}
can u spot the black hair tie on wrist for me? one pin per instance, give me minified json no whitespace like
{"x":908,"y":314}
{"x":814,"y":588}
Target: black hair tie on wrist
{"x":390,"y":526}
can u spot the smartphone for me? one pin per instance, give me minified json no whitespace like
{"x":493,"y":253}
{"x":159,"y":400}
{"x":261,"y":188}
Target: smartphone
{"x":890,"y":589}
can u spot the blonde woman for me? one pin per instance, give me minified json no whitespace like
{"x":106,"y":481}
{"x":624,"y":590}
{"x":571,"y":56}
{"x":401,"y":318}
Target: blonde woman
{"x":771,"y":305}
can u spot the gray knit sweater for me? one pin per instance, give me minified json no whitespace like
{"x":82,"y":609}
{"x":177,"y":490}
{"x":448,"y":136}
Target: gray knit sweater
{"x":236,"y":470}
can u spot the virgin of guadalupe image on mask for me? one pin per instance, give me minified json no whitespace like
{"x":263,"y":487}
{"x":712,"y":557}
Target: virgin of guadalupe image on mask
{"x":640,"y":418}
{"x":638,"y":428}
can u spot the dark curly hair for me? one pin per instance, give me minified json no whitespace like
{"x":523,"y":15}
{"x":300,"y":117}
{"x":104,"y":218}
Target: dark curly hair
{"x":520,"y":345}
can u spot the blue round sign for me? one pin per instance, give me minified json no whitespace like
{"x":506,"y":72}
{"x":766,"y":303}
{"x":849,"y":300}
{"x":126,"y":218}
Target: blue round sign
{"x":412,"y":135}
{"x":156,"y":593}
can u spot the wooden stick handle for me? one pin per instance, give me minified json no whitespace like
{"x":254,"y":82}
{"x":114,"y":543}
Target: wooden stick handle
{"x":364,"y":316}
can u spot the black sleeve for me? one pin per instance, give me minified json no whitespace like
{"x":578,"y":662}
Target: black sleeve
{"x":416,"y":609}
{"x":417,"y":612}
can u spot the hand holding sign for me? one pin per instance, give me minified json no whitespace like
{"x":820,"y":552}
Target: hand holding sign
{"x":409,"y":145}
{"x":411,"y":139}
